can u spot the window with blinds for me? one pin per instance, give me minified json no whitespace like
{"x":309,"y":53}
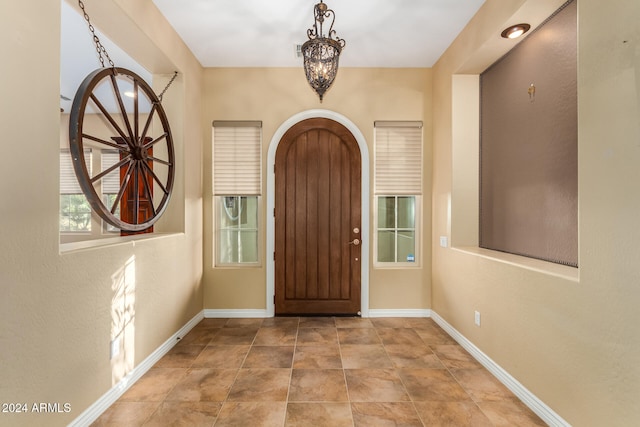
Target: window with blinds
{"x":75,"y":211}
{"x":237,"y":185}
{"x":397,"y":187}
{"x":398,"y":157}
{"x":237,"y":158}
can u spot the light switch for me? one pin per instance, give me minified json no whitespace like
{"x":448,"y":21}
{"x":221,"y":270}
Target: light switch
{"x":444,"y":241}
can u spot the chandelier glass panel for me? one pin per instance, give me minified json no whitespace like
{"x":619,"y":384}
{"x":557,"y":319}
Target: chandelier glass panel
{"x":322,"y":51}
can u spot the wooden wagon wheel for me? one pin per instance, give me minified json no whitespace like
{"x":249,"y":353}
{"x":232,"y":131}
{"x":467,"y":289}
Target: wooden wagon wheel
{"x":139,"y":131}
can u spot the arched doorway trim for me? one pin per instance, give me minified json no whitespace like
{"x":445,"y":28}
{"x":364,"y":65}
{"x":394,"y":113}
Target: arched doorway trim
{"x":271,"y":156}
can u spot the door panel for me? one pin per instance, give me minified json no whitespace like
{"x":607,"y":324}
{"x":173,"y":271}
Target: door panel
{"x":318,"y":206}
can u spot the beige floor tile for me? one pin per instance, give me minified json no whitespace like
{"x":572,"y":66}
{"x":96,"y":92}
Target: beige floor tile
{"x":246,"y":323}
{"x":448,"y":414}
{"x":432,"y":385}
{"x":180,"y":356}
{"x":206,"y":385}
{"x":317,"y":322}
{"x":154,"y":385}
{"x":234,"y":336}
{"x":509,"y":413}
{"x":358,"y":336}
{"x":131,"y":414}
{"x":399,"y":336}
{"x":375,"y":385}
{"x":253,"y":414}
{"x":390,"y":322}
{"x":318,"y":385}
{"x":199,"y":336}
{"x":317,"y":336}
{"x":185,"y":414}
{"x":482,"y":385}
{"x":317,"y":357}
{"x":383,"y":414}
{"x":319,"y":415}
{"x":455,"y":357}
{"x":353,"y":322}
{"x":364,"y":356}
{"x":221,"y":356}
{"x":269,"y":357}
{"x":260,"y":385}
{"x":413,"y":356}
{"x":276,"y":335}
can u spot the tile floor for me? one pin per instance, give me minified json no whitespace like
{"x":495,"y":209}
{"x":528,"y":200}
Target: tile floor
{"x":320,"y":371}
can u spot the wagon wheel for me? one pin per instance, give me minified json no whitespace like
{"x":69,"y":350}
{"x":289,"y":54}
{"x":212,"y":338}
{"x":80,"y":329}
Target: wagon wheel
{"x":115,"y":109}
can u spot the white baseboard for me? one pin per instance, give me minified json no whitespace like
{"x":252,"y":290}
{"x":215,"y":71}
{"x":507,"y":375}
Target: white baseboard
{"x":417,"y":312}
{"x":210,"y":313}
{"x":532,"y":401}
{"x":110,"y":397}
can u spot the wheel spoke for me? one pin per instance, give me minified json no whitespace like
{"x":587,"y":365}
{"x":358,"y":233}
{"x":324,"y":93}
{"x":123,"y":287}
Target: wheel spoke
{"x":164,"y":162}
{"x":136,"y":192}
{"x":122,"y":162}
{"x":155,"y":178}
{"x":136,"y":107}
{"x":123,"y":187}
{"x":148,"y":122}
{"x":102,"y":141}
{"x":106,"y":114}
{"x":148,"y":191}
{"x":123,"y":110}
{"x":155,"y":141}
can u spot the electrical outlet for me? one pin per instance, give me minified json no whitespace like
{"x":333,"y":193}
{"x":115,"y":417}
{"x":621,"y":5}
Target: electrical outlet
{"x":444,"y":241}
{"x":477,"y":318}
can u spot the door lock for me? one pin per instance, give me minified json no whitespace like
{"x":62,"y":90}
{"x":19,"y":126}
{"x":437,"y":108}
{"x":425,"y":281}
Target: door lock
{"x":355,"y":242}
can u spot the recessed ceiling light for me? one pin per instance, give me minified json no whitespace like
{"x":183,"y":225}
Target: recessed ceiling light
{"x":515,"y":31}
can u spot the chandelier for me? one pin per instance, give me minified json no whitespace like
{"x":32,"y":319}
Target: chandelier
{"x":322,"y":51}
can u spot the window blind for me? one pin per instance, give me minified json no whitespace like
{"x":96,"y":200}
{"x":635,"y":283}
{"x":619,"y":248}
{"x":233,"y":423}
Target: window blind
{"x":398,"y":157}
{"x":111,"y":182}
{"x":237,"y":158}
{"x":68,"y":181}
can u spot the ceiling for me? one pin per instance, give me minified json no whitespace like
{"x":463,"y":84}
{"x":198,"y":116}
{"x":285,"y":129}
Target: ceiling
{"x":245,"y":33}
{"x":255,"y":33}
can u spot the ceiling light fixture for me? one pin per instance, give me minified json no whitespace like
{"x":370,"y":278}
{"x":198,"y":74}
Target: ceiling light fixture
{"x":515,"y":31}
{"x":322,"y":51}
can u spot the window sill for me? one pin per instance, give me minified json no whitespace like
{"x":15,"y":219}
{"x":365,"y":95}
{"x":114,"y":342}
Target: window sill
{"x":544,"y":267}
{"x":66,"y":248}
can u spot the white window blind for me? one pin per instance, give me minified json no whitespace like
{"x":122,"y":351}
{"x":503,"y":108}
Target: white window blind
{"x":111,"y":182}
{"x":68,"y":180}
{"x":398,"y":158}
{"x":237,"y":158}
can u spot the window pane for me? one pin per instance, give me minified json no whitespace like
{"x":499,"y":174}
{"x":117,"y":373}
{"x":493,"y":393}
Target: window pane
{"x":386,"y":246}
{"x":75,"y":213}
{"x":406,"y":246}
{"x":237,"y":229}
{"x":248,"y":246}
{"x":406,"y":212}
{"x":386,"y":212}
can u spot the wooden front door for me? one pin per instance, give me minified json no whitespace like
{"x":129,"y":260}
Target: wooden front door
{"x":317,"y":220}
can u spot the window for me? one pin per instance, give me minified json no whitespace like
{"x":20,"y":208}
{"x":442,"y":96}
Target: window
{"x":398,"y":190}
{"x":237,"y":186}
{"x":529,"y":145}
{"x":75,"y":211}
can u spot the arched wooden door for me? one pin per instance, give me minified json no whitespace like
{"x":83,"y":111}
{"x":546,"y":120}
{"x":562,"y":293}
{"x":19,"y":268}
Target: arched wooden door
{"x":318,"y":217}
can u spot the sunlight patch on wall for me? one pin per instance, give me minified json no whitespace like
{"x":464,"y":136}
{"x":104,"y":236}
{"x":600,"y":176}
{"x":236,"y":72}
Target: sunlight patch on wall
{"x":123,"y":320}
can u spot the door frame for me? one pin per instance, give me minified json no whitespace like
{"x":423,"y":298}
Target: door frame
{"x":271,"y":186}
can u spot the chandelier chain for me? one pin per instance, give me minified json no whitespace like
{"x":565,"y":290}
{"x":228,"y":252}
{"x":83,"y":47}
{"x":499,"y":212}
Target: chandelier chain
{"x":175,"y":74}
{"x":102,"y":52}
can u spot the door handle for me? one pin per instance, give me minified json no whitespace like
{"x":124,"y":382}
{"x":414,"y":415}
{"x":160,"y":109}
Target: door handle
{"x":355,"y":242}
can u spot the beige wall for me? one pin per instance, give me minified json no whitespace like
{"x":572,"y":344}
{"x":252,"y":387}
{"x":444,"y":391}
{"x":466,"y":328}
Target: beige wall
{"x":275,"y":95}
{"x":57,"y":310}
{"x":569,"y":336}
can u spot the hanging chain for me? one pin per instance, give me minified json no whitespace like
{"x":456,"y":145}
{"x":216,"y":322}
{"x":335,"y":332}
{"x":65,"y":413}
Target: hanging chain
{"x":102,"y":52}
{"x":175,"y":74}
